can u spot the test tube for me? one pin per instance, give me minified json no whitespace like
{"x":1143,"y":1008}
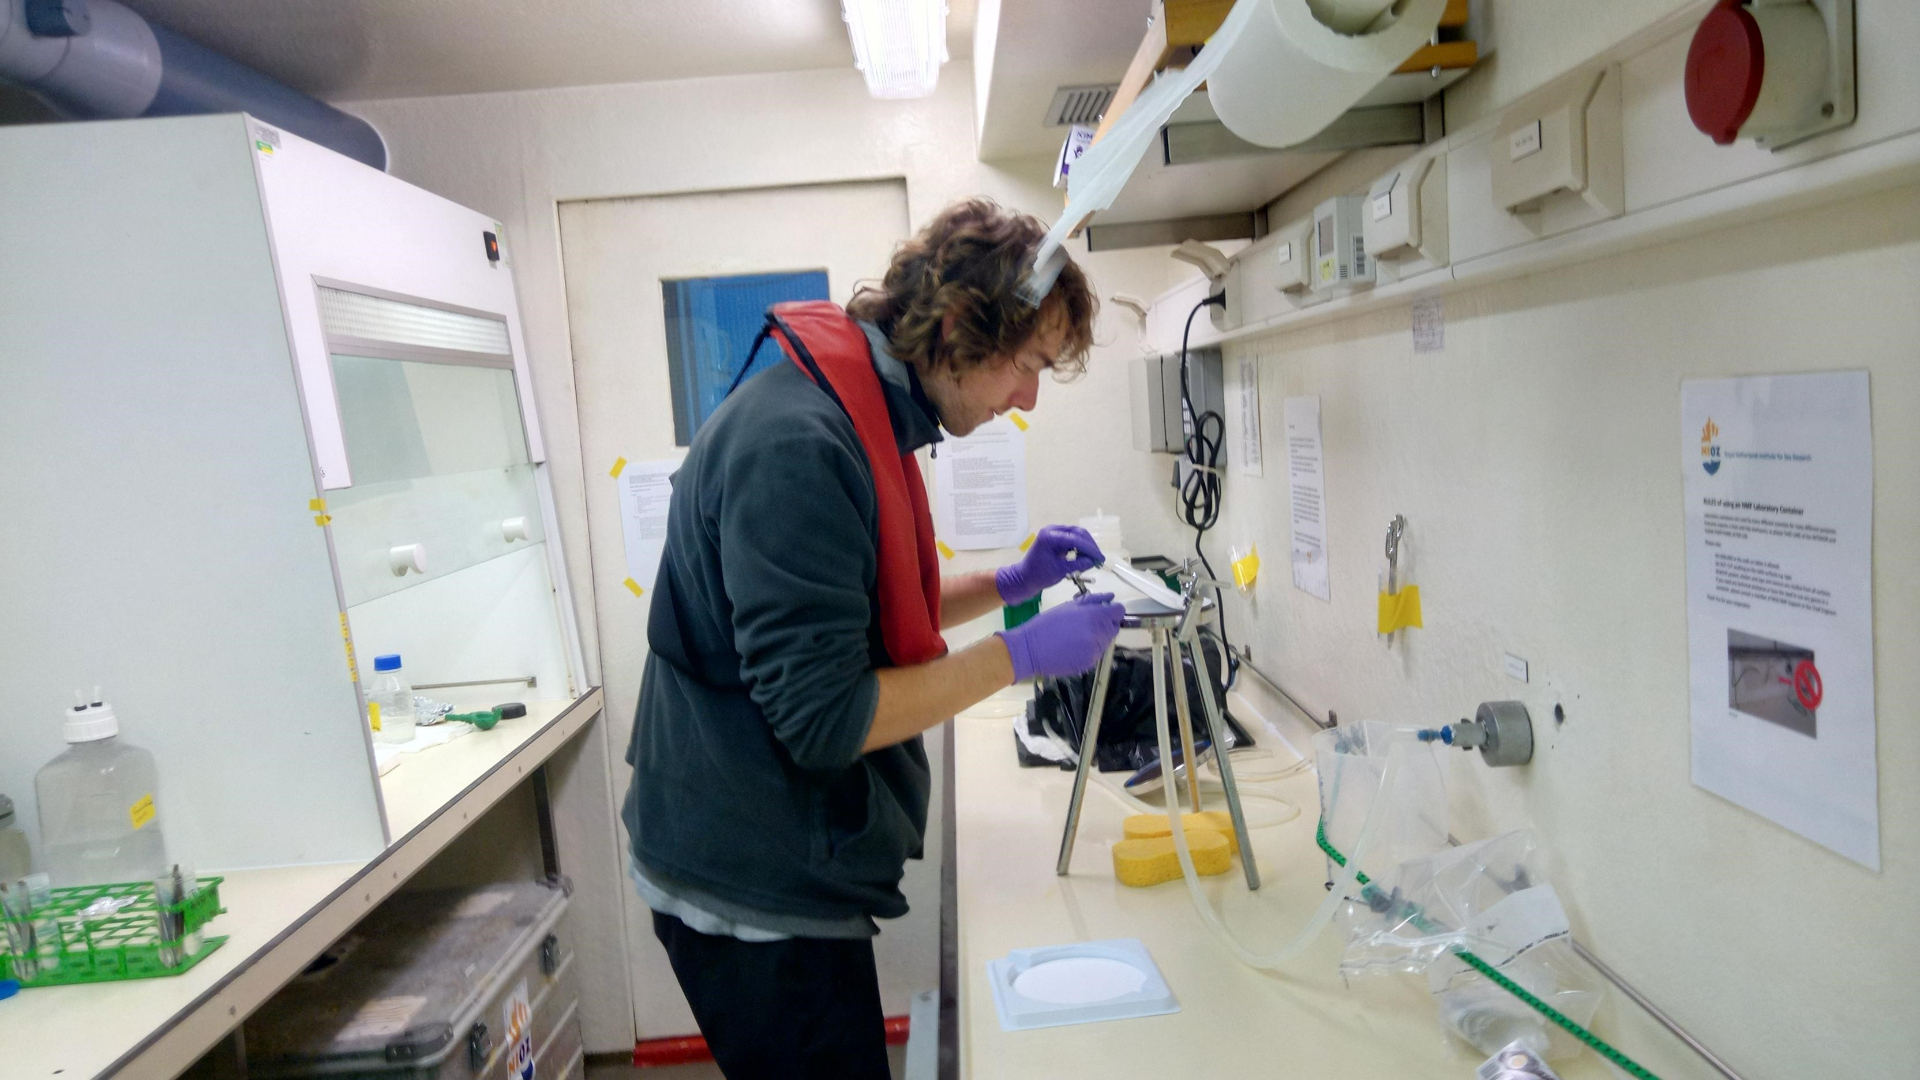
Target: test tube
{"x":169,"y":893}
{"x":17,"y":904}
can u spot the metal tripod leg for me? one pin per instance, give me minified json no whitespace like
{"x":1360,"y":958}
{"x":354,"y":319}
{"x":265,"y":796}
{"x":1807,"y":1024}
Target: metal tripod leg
{"x":1089,"y":746}
{"x":1185,"y":712}
{"x":1217,"y":726}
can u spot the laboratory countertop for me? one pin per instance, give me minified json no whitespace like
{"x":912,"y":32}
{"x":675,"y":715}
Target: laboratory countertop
{"x":277,"y":920}
{"x":1234,"y":1020}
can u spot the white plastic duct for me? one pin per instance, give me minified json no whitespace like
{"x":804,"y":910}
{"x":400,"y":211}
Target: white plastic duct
{"x":1294,"y":69}
{"x":119,"y":66}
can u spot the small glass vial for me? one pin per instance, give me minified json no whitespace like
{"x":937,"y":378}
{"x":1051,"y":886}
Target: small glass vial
{"x":390,"y":702}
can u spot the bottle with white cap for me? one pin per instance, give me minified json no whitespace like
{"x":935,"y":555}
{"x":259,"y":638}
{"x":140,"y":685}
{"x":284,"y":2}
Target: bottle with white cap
{"x":99,"y":818}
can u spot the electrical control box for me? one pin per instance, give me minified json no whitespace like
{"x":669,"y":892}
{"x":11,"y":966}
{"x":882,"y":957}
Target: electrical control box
{"x":1160,"y":422}
{"x":1293,"y":259}
{"x":1340,"y":262}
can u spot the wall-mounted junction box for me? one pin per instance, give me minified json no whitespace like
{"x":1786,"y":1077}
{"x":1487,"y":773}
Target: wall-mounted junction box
{"x":1160,"y":425}
{"x":1405,"y":218}
{"x":1556,"y":156}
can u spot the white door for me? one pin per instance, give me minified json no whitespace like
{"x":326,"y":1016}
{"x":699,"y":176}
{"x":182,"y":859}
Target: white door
{"x":616,"y":254}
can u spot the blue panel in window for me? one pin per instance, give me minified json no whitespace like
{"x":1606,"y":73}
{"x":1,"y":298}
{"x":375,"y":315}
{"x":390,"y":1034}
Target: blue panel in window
{"x":711,"y":322}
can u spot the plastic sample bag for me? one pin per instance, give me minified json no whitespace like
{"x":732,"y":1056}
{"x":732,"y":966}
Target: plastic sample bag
{"x":1490,"y":898}
{"x":1351,"y":761}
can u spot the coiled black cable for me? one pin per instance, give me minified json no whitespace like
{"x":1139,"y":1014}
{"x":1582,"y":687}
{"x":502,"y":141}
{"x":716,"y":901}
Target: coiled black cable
{"x":1200,"y":497}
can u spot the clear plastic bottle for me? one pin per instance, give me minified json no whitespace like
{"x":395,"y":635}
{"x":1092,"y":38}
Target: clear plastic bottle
{"x":16,"y":856}
{"x":390,"y":701}
{"x":99,"y":810}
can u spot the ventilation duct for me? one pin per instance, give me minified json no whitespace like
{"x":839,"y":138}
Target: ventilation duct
{"x":95,"y":59}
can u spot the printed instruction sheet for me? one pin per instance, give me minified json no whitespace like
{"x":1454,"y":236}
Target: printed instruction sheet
{"x":980,"y":487}
{"x":646,"y":489}
{"x":1244,"y":409}
{"x":1779,"y":524}
{"x":1306,"y":478}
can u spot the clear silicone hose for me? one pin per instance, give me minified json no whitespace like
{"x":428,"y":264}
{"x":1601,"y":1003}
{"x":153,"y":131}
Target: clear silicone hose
{"x":1343,"y":884}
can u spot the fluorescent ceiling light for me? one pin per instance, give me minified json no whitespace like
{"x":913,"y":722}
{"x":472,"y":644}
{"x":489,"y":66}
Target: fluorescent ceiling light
{"x":898,"y":45}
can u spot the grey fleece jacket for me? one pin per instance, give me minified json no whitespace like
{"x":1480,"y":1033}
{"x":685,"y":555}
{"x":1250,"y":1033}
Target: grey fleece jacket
{"x":750,"y":793}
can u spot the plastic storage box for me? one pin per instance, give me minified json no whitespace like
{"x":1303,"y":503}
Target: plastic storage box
{"x":447,"y":985}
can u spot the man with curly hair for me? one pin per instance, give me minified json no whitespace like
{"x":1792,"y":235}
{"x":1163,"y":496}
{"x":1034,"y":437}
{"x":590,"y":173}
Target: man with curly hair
{"x":779,"y":779}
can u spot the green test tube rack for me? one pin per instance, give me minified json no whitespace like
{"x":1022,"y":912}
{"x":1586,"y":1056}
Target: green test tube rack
{"x":125,"y":944}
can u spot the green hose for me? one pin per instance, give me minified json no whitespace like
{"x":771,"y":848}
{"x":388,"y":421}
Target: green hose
{"x":1600,"y":1046}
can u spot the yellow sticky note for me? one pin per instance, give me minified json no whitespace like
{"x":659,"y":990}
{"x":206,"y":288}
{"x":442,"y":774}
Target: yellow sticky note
{"x":1400,"y":610}
{"x":141,"y":812}
{"x":1018,"y":420}
{"x":1247,"y":568}
{"x":619,"y":464}
{"x":1028,"y":542}
{"x":316,"y":505}
{"x":633,"y":586}
{"x":945,"y":551}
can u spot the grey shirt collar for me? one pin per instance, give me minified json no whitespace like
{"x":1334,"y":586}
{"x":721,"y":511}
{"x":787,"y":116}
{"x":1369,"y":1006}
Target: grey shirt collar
{"x":915,"y":423}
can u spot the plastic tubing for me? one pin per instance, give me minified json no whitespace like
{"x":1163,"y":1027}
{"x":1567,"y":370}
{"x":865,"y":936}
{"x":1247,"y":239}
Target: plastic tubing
{"x":1342,"y":885}
{"x":1138,"y":805}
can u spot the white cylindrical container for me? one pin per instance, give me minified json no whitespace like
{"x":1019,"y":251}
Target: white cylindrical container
{"x":99,"y":814}
{"x":390,"y":701}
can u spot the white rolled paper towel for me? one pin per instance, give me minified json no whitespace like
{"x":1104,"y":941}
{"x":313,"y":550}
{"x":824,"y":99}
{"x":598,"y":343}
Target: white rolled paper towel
{"x":1290,"y":75}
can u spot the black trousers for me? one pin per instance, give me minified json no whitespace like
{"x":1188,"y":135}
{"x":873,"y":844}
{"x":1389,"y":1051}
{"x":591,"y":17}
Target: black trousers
{"x":799,"y":1009}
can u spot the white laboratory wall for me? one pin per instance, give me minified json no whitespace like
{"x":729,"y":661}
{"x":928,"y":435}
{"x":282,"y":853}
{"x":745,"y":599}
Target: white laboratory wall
{"x":1534,"y":461}
{"x":518,"y":156}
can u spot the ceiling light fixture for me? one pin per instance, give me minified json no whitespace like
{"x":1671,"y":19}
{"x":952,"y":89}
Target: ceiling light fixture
{"x":898,"y":45}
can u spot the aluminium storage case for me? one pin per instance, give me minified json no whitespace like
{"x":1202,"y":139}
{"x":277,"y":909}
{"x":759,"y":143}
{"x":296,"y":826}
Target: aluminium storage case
{"x":248,"y":371}
{"x":458,"y":984}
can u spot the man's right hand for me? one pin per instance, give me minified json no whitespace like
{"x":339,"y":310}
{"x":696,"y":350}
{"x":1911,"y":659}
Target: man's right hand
{"x":1064,"y":640}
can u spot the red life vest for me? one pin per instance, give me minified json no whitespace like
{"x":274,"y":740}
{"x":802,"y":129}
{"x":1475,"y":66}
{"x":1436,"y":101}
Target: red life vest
{"x":830,"y":347}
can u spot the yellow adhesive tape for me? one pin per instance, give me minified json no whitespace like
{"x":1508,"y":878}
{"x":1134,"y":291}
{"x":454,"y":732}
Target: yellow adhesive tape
{"x":1028,"y":542}
{"x":1018,"y":420}
{"x":945,"y":551}
{"x":1400,"y":610}
{"x":141,"y":812}
{"x":373,"y":714}
{"x":619,"y":465}
{"x":316,"y":505}
{"x":1247,"y":568}
{"x":322,"y":519}
{"x":633,"y":587}
{"x":346,"y":639}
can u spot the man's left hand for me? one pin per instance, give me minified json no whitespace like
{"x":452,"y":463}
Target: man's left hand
{"x":1057,"y":551}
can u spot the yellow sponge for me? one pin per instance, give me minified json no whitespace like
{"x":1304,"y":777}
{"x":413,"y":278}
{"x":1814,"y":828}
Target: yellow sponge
{"x":1153,"y":860}
{"x":1147,"y":826}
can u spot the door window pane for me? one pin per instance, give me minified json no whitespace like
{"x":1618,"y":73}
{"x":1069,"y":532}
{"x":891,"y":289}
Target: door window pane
{"x":711,"y":322}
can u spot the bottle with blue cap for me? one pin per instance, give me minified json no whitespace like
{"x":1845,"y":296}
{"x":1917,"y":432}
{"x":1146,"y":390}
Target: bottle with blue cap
{"x":390,"y":701}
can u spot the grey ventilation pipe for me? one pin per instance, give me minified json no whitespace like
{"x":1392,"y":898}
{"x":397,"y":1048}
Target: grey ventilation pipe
{"x":95,"y":59}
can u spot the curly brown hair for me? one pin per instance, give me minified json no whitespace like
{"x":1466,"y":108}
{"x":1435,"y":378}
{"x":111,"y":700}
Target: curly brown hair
{"x":968,"y":264}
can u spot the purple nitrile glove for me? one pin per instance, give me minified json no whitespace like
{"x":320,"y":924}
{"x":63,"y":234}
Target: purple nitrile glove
{"x":1057,"y":551}
{"x":1064,"y":640}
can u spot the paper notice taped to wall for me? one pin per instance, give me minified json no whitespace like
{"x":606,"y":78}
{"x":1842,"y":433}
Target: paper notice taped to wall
{"x":1306,"y":480}
{"x":646,"y":490}
{"x":1778,"y":481}
{"x":980,"y":488}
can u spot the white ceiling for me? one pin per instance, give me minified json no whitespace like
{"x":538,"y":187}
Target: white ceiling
{"x":351,"y":50}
